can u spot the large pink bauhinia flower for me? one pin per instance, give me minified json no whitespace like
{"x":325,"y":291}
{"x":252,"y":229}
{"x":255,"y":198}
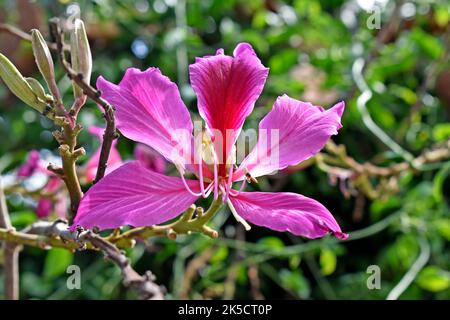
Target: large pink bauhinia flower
{"x":149,"y":110}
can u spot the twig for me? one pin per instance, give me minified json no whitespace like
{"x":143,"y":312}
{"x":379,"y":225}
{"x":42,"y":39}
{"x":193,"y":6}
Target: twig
{"x":361,"y":101}
{"x":110,"y":131}
{"x":143,"y":285}
{"x":184,"y":225}
{"x":108,"y":137}
{"x":192,"y":269}
{"x":25,"y":36}
{"x":11,"y":253}
{"x":412,"y":273}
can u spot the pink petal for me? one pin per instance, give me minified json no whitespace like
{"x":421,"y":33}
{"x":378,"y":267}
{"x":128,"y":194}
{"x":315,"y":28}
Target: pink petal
{"x":149,"y":109}
{"x":290,"y":133}
{"x":44,"y":208}
{"x":149,"y":158}
{"x":133,"y":195}
{"x":31,"y":164}
{"x":284,"y":211}
{"x":114,"y":159}
{"x":227,"y":88}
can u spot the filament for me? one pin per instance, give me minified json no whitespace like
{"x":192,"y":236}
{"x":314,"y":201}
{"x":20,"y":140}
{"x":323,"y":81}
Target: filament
{"x":181,"y":171}
{"x":229,"y":182}
{"x":237,"y":216}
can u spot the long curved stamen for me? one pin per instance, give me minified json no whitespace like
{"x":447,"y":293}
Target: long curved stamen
{"x":209,"y":189}
{"x":237,"y":216}
{"x":216,"y":179}
{"x":235,"y":193}
{"x":229,"y":182}
{"x":200,"y":176}
{"x":181,"y":171}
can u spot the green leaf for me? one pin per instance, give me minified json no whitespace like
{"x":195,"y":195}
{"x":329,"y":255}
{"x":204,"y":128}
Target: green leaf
{"x":441,"y":132}
{"x":56,"y":262}
{"x":272,"y":242}
{"x":296,"y":282}
{"x":219,"y":255}
{"x":427,"y":43}
{"x":434,"y":279}
{"x":328,"y":262}
{"x":23,"y":218}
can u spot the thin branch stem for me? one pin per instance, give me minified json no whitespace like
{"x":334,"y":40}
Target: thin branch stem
{"x":24,"y":35}
{"x":143,"y":285}
{"x":412,"y":273}
{"x":11,"y":253}
{"x":110,"y":132}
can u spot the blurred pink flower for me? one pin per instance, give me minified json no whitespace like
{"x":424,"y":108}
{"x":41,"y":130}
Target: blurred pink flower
{"x":31,"y":165}
{"x":53,"y":195}
{"x":150,"y":158}
{"x":149,"y":110}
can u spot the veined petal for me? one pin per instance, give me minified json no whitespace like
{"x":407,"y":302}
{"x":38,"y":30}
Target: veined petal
{"x":284,"y":211}
{"x":290,"y":133}
{"x":227,"y":88}
{"x":133,"y":195}
{"x":149,"y":109}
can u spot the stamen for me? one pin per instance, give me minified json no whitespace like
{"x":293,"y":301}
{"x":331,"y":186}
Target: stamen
{"x":237,"y":216}
{"x":249,"y":177}
{"x":181,"y":171}
{"x":216,"y":180}
{"x":229,"y":182}
{"x":200,"y":175}
{"x":235,"y":193}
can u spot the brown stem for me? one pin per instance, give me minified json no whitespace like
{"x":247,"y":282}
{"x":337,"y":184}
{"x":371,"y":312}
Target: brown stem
{"x":11,"y":253}
{"x":143,"y":285}
{"x":110,"y":131}
{"x":23,"y":35}
{"x":108,"y":138}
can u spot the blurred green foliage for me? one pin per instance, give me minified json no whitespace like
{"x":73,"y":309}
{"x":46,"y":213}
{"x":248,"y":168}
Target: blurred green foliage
{"x":310,"y":47}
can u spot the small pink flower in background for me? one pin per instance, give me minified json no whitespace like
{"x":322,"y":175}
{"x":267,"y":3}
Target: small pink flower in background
{"x":149,"y":110}
{"x":150,"y":158}
{"x":54,"y":196}
{"x":31,"y":165}
{"x":114,"y":160}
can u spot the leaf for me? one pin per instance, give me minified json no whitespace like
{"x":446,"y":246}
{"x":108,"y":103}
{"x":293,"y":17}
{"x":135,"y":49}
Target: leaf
{"x":272,"y":242}
{"x":219,"y":255}
{"x":441,"y":132}
{"x":56,"y":262}
{"x":23,"y":218}
{"x":328,"y":262}
{"x":296,"y":282}
{"x":433,"y":279}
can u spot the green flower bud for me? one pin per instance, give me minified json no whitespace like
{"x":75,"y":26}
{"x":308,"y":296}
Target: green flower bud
{"x":44,"y":61}
{"x":19,"y":85}
{"x":37,"y":88}
{"x":80,"y":54}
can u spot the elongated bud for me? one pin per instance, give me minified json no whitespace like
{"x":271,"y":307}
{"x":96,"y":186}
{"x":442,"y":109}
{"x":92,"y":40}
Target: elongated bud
{"x":37,"y":88}
{"x":44,"y":61}
{"x":19,"y":85}
{"x":80,"y":54}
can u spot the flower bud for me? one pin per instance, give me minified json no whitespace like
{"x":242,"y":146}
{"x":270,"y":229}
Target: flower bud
{"x":80,"y":54}
{"x":44,"y":61}
{"x":37,"y":88}
{"x":19,"y":85}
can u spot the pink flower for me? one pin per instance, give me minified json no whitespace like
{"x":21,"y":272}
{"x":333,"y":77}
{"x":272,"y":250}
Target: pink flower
{"x":54,"y":197}
{"x":149,"y":158}
{"x":31,"y":165}
{"x":149,"y":110}
{"x":114,"y":160}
